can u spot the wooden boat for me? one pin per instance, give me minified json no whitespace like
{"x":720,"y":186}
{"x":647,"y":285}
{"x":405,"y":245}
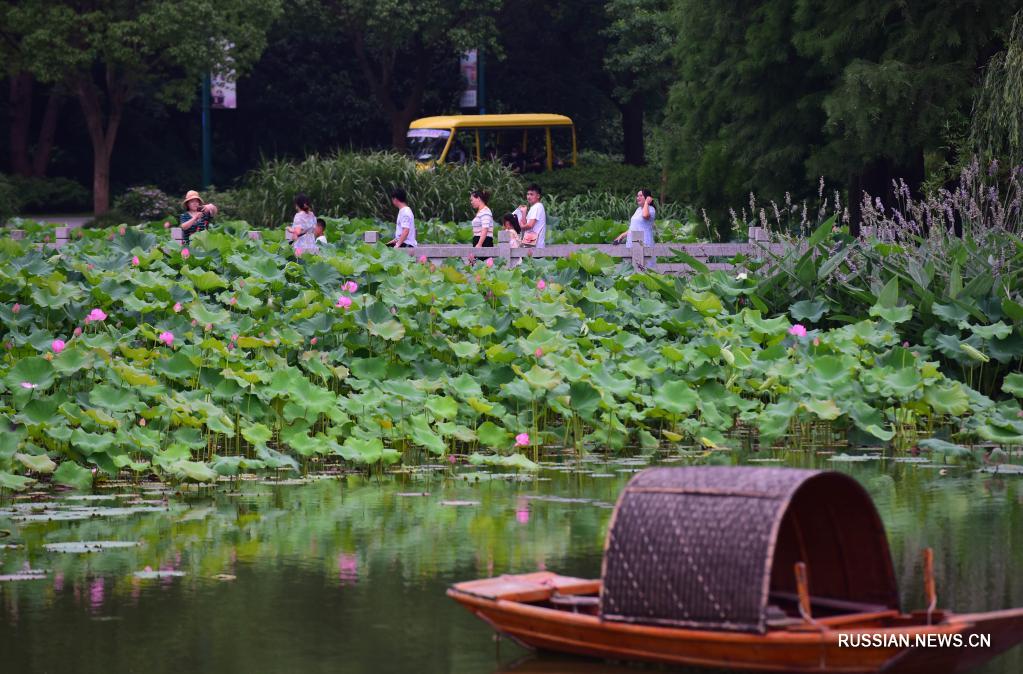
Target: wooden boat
{"x":760,"y":569}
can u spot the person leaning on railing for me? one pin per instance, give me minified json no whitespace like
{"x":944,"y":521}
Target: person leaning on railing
{"x":197,"y":216}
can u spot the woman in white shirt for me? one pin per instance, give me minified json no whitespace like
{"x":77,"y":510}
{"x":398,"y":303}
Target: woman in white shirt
{"x":642,"y":219}
{"x":303,"y":224}
{"x":483,"y":223}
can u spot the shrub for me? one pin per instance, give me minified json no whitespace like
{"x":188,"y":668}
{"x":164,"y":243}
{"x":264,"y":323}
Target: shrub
{"x":604,"y":177}
{"x":146,"y":202}
{"x":9,"y":202}
{"x":356,"y":184}
{"x":51,"y":195}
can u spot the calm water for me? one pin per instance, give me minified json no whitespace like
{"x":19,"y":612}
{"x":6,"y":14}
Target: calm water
{"x":349,"y":575}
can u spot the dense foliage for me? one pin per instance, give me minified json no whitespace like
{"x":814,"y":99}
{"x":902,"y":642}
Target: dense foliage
{"x":124,"y":354}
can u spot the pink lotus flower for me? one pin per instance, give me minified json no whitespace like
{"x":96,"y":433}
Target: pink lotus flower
{"x":313,"y":341}
{"x":422,"y":259}
{"x":90,"y":266}
{"x":58,"y":345}
{"x":16,"y":308}
{"x":452,"y":458}
{"x":77,"y":332}
{"x":185,"y":253}
{"x":122,"y":230}
{"x":166,"y":225}
{"x":905,"y":345}
{"x":522,"y":440}
{"x":350,"y":286}
{"x":522,"y":516}
{"x":177,"y":307}
{"x":142,"y":422}
{"x":194,"y":322}
{"x":234,"y":337}
{"x":799,"y":330}
{"x":234,"y":301}
{"x":541,"y":284}
{"x":298,"y":252}
{"x":135,"y":261}
{"x":490,"y":262}
{"x":343,"y":302}
{"x":816,"y":341}
{"x":538,"y":353}
{"x":97,"y":315}
{"x":29,"y":385}
{"x":167,"y":338}
{"x":209,"y":326}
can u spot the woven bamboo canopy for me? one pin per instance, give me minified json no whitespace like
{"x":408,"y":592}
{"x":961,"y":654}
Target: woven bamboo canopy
{"x":710,"y":547}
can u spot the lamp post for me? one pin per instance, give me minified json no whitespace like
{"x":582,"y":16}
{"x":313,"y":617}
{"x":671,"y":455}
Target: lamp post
{"x":207,"y":159}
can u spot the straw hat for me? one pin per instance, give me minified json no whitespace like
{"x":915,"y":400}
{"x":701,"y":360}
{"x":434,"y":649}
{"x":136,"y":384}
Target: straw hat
{"x":191,"y":194}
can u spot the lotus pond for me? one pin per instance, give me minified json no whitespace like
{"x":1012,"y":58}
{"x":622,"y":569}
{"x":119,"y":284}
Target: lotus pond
{"x":124,"y":355}
{"x":348,"y":573}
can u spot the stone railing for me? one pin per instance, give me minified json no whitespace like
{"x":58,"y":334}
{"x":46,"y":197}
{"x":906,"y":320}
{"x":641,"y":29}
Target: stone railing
{"x":642,"y":258}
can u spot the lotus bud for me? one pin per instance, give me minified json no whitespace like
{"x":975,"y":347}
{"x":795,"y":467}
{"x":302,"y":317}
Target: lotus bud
{"x":16,"y":308}
{"x":538,"y":353}
{"x":209,"y":326}
{"x":234,"y":337}
{"x":135,"y":261}
{"x":185,"y":253}
{"x":816,"y":341}
{"x":57,"y":345}
{"x":541,"y":284}
{"x":422,"y":259}
{"x":166,"y":225}
{"x":490,"y":262}
{"x":313,"y":341}
{"x":234,"y":301}
{"x":177,"y":307}
{"x":122,"y":230}
{"x":522,"y":440}
{"x":77,"y":332}
{"x":142,"y":422}
{"x":194,"y":322}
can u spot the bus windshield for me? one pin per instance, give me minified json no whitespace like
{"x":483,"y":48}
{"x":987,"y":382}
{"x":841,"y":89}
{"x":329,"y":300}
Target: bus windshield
{"x":427,"y":144}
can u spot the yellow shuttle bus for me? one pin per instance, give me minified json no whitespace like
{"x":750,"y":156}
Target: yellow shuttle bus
{"x":529,"y":142}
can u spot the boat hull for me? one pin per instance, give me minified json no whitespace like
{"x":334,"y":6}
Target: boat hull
{"x":790,"y":650}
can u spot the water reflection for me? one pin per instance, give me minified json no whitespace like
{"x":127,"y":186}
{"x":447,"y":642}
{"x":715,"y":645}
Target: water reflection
{"x":350,"y":574}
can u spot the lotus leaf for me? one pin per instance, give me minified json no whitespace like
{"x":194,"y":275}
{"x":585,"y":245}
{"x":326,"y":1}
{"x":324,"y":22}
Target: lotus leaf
{"x":71,"y":474}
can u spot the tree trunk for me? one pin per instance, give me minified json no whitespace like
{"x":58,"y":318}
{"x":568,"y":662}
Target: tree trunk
{"x":21,"y":122}
{"x":100,"y":182}
{"x":47,"y":134}
{"x":632,"y":131}
{"x":101,"y":134}
{"x":380,"y":76}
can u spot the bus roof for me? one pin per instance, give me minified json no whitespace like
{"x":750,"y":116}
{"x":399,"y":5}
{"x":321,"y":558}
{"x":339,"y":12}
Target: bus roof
{"x":489,"y":121}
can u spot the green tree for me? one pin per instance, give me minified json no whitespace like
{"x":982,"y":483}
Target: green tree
{"x":771,"y":94}
{"x":638,"y":61}
{"x":899,"y":73}
{"x":398,"y":42}
{"x":997,"y":129}
{"x":743,"y":113}
{"x":108,"y":52}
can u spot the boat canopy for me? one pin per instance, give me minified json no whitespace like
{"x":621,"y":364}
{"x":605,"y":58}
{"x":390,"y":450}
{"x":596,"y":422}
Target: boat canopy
{"x":711,"y":547}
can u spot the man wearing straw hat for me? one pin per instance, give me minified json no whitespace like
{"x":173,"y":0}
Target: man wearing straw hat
{"x":197,"y":216}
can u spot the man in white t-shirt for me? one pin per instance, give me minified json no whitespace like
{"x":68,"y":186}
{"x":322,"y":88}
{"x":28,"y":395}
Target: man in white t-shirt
{"x":405,"y":225}
{"x":534,"y":220}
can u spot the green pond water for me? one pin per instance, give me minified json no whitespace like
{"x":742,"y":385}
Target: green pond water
{"x":349,"y":574}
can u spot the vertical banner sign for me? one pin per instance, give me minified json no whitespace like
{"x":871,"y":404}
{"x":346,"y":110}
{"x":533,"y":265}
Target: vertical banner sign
{"x":222,"y":84}
{"x":468,"y":67}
